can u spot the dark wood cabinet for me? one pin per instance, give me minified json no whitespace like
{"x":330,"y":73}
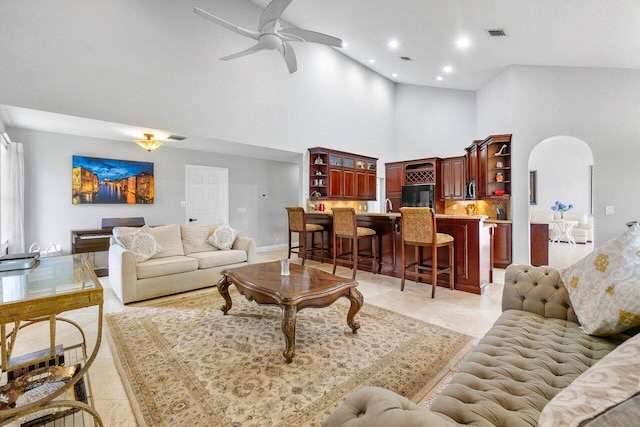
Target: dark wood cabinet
{"x":338,"y":175}
{"x":453,"y":178}
{"x":494,"y":167}
{"x":502,"y":256}
{"x":394,"y":178}
{"x":539,"y":235}
{"x":472,"y":162}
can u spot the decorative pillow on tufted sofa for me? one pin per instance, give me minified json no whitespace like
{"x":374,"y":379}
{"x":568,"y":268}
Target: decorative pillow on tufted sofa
{"x":613,"y":381}
{"x":140,"y":243}
{"x":604,"y":286}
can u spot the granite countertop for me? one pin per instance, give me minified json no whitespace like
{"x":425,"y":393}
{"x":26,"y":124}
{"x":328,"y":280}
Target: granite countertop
{"x":397,"y":215}
{"x":498,"y":221}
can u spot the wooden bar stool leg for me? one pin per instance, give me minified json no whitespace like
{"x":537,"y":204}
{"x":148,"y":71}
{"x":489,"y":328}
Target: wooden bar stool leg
{"x":434,"y":271}
{"x":322,"y":247}
{"x":335,"y":252}
{"x":289,"y":256}
{"x":452,"y":273}
{"x":404,"y":265}
{"x":354,"y":257}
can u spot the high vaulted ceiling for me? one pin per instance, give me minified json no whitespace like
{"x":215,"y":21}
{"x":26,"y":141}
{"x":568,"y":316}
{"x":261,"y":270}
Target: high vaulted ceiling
{"x":571,"y":33}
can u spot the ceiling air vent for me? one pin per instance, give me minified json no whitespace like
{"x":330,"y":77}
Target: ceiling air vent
{"x":177,"y":137}
{"x":496,"y":33}
{"x":406,"y":58}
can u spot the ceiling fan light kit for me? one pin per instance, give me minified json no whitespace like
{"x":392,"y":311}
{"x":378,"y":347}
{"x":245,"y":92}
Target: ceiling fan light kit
{"x":270,"y":34}
{"x":149,"y":144}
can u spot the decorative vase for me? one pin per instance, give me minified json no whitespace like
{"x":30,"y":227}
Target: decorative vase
{"x":499,"y":177}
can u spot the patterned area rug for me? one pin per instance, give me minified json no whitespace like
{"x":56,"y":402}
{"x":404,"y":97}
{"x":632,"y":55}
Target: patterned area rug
{"x":186,"y":364}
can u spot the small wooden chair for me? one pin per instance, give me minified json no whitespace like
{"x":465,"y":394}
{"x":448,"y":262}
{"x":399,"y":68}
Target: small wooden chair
{"x":298,"y":224}
{"x":345,"y":226}
{"x":419,"y":230}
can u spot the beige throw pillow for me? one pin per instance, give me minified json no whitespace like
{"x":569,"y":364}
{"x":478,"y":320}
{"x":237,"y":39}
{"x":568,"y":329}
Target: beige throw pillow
{"x":140,"y":243}
{"x":604,"y":286}
{"x":223,"y":237}
{"x":610,"y":382}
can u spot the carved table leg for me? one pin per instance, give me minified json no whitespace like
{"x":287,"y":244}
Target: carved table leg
{"x":356,"y":304}
{"x":289,"y":330}
{"x":223,"y":289}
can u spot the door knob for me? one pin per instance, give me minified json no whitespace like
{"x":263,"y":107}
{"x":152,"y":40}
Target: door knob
{"x":193,"y":219}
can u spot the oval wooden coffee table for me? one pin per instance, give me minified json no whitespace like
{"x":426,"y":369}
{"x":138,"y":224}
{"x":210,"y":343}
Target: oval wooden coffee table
{"x":305,"y":287}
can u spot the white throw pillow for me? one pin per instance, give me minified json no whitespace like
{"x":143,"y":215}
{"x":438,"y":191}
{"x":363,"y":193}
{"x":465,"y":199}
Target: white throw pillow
{"x":140,"y":243}
{"x":223,"y":237}
{"x":604,"y":286}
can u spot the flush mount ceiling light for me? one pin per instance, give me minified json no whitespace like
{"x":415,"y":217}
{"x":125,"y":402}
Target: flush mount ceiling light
{"x":149,"y":144}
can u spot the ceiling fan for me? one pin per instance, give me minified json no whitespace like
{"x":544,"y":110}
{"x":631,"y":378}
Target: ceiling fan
{"x":271,"y":36}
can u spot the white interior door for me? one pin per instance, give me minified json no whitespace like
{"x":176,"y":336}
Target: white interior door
{"x":207,"y":195}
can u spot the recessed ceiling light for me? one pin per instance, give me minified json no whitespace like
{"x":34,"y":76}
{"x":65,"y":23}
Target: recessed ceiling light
{"x":394,"y":75}
{"x":447,"y":69}
{"x":344,"y":44}
{"x":371,"y":61}
{"x":439,"y":78}
{"x":393,"y":44}
{"x":463,"y":42}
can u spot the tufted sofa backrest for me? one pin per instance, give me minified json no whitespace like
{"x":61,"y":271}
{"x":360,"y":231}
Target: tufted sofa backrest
{"x":536,"y":290}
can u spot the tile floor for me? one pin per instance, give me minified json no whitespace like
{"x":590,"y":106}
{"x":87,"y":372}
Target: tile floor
{"x":460,"y":311}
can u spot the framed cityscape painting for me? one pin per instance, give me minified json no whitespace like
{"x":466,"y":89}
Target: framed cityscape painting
{"x":96,"y":180}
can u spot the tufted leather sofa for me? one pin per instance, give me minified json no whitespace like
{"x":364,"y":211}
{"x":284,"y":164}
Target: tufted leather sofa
{"x":534,"y":350}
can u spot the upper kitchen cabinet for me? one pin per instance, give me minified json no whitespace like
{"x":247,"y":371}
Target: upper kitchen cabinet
{"x":453,"y":175}
{"x":348,"y":176}
{"x":494,"y":167}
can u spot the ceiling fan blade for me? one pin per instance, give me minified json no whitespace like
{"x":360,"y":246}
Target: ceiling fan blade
{"x":273,"y":11}
{"x":290,"y":57}
{"x":253,"y":49}
{"x":228,"y":25}
{"x":298,"y":34}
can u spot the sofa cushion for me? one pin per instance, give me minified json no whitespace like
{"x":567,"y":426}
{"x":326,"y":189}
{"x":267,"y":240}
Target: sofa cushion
{"x":614,"y":380}
{"x":604,"y":286}
{"x":223,"y":237}
{"x":155,"y":267}
{"x":194,"y":238}
{"x":140,"y":243}
{"x":519,"y":365}
{"x":168,"y":236}
{"x":219,"y":258}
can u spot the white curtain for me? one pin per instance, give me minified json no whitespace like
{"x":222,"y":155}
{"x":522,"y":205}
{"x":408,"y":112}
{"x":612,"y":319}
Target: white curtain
{"x":15,"y":189}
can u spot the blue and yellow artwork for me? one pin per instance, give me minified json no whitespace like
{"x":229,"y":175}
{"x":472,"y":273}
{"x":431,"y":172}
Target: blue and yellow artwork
{"x":96,"y":180}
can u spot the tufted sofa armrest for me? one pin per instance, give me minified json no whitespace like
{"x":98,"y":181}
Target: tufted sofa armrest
{"x":379,"y":407}
{"x":537,"y":290}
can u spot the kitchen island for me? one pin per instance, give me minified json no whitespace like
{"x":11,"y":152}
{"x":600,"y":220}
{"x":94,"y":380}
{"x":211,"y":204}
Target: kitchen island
{"x":472,"y":245}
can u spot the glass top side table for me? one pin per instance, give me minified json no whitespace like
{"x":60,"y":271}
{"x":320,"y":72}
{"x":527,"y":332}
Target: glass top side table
{"x":40,"y":294}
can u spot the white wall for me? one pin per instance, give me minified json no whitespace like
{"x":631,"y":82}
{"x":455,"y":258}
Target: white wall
{"x":50,"y":215}
{"x":563,"y":169}
{"x":432,"y":122}
{"x":598,"y":106}
{"x":154,"y":63}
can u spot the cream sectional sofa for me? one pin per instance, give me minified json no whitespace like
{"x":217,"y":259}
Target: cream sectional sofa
{"x":534,"y":351}
{"x":187,"y":262}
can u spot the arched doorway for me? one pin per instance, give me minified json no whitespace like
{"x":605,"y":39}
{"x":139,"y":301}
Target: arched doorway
{"x":561,"y":170}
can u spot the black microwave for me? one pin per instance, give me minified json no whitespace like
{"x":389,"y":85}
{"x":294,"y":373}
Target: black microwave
{"x":419,"y":195}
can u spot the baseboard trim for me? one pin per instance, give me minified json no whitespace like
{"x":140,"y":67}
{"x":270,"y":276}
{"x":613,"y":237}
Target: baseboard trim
{"x":271,"y":248}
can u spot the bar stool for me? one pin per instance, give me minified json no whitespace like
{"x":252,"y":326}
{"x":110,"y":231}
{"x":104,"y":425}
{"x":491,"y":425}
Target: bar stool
{"x":345,"y":226}
{"x":298,"y":224}
{"x":419,"y":230}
